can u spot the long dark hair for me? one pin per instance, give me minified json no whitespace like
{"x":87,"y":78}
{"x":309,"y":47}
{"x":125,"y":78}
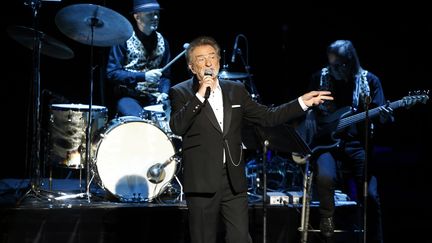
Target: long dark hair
{"x":346,"y":55}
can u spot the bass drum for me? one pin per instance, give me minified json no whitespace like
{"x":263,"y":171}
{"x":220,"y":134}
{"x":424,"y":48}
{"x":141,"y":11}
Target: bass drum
{"x":134,"y":159}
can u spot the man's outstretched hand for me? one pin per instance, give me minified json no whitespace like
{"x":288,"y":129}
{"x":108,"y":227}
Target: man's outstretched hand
{"x":315,"y":98}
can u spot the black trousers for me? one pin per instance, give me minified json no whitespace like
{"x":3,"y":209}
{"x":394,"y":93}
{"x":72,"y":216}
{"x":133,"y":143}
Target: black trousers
{"x":207,"y":209}
{"x":331,"y":168}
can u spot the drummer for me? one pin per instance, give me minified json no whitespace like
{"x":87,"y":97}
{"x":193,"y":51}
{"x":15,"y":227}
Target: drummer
{"x":134,"y":67}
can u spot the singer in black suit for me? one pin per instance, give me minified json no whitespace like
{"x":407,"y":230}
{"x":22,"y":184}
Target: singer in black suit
{"x":208,"y":113}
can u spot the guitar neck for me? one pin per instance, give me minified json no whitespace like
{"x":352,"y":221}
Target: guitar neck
{"x":348,"y":121}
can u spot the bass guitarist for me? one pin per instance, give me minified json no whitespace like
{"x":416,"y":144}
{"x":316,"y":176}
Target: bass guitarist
{"x":351,"y":86}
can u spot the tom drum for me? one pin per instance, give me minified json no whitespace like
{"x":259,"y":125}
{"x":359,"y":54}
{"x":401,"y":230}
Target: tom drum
{"x":67,"y":132}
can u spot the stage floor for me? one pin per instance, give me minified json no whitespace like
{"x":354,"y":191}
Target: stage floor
{"x":38,"y":217}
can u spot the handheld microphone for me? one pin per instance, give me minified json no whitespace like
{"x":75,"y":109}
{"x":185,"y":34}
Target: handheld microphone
{"x":207,"y":72}
{"x":207,"y":93}
{"x":234,"y":53}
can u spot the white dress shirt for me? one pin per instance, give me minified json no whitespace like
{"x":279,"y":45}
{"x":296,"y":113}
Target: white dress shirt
{"x":216,"y":102}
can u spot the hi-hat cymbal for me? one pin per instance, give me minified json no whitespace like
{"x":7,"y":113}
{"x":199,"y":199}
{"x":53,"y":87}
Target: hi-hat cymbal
{"x":232,"y":75}
{"x":93,"y":25}
{"x":49,"y":46}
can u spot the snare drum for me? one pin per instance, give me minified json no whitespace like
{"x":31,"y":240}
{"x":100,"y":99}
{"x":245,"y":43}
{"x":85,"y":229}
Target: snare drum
{"x":67,"y":132}
{"x":129,"y":154}
{"x":160,"y":115}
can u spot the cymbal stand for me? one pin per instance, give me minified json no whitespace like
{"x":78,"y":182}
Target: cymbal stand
{"x":34,"y":154}
{"x":93,"y":22}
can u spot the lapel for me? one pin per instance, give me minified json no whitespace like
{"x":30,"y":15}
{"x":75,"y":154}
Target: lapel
{"x":208,"y":111}
{"x":227,"y":106}
{"x":211,"y":116}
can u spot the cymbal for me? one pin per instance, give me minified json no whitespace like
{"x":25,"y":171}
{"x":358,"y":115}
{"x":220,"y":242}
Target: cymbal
{"x":49,"y":46}
{"x":78,"y":20}
{"x":155,"y":108}
{"x":232,"y":75}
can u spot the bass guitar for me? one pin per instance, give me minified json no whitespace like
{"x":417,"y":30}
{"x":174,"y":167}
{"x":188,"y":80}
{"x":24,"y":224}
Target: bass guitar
{"x":324,"y":135}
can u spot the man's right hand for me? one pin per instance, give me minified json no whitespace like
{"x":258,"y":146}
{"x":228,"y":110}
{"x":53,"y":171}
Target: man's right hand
{"x":208,"y":81}
{"x":315,"y":98}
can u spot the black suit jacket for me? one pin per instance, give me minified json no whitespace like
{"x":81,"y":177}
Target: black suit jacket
{"x":203,"y":139}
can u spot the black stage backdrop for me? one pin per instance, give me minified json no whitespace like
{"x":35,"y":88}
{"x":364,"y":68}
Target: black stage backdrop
{"x":286,"y":44}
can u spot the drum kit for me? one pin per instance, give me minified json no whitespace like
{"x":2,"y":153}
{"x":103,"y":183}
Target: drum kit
{"x":132,"y":158}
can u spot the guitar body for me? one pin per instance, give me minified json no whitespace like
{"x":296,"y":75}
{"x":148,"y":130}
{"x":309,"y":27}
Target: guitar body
{"x":320,"y":133}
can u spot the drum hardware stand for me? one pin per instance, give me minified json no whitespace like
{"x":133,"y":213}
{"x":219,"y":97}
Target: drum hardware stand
{"x":177,"y":160}
{"x":181,"y":188}
{"x":35,"y":153}
{"x":179,"y":198}
{"x":94,"y":22}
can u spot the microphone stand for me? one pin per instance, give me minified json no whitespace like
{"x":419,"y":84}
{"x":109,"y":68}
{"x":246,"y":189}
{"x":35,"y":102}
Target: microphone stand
{"x":286,"y":139}
{"x":264,"y":200}
{"x":245,"y":62}
{"x":365,"y":173}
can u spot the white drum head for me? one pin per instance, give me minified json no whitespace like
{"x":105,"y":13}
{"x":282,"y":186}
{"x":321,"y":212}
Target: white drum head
{"x":124,"y":156}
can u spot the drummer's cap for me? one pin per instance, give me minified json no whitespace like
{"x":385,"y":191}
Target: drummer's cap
{"x":145,"y":6}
